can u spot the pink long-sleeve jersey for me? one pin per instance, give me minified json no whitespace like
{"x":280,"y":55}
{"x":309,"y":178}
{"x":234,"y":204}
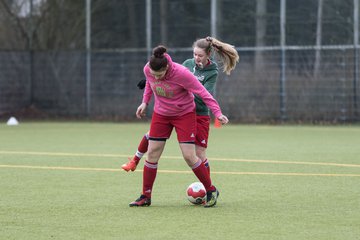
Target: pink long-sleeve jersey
{"x":174,"y":93}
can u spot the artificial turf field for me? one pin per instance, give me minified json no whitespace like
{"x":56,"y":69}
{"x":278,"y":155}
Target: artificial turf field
{"x":63,"y":181}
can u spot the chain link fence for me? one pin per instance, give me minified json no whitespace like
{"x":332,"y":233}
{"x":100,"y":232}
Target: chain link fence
{"x":247,"y":95}
{"x":58,"y":76}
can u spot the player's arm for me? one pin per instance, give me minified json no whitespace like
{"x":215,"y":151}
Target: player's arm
{"x":147,"y":95}
{"x":194,"y":86}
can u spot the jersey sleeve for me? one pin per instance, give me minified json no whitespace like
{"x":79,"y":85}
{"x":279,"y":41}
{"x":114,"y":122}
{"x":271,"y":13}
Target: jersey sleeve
{"x":148,"y":91}
{"x":194,"y":86}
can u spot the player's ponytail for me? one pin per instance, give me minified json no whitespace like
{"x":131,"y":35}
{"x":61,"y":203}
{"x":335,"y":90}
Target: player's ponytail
{"x":227,"y":54}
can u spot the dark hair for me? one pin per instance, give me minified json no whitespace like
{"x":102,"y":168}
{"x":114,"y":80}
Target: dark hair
{"x":157,"y":59}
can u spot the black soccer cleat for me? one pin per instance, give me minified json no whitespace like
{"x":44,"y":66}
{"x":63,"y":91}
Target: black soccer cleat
{"x":142,"y":201}
{"x":211,"y":198}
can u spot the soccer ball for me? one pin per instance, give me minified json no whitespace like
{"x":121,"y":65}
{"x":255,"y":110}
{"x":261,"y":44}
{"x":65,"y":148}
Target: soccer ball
{"x":196,"y":193}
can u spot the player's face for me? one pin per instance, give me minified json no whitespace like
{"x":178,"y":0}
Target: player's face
{"x":200,"y":56}
{"x":159,"y":74}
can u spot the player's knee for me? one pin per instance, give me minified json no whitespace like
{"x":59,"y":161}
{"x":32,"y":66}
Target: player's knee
{"x":190,"y":159}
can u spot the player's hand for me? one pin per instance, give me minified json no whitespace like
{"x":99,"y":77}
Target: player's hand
{"x":141,"y":110}
{"x":223,"y":119}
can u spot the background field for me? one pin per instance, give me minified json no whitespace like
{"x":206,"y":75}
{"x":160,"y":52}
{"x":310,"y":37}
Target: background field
{"x":63,"y":181}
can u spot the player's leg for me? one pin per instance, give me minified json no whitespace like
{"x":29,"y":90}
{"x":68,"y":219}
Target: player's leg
{"x":201,"y":172}
{"x":160,"y":130}
{"x":201,"y":153}
{"x":202,"y":136}
{"x":149,"y":173}
{"x":185,"y":128}
{"x":141,"y":150}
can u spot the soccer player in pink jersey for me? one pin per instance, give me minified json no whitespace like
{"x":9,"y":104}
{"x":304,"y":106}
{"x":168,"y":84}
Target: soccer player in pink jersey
{"x":205,"y":69}
{"x":173,"y":87}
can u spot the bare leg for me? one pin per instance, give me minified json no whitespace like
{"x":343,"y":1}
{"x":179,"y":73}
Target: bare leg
{"x":188,"y":152}
{"x":155,"y":150}
{"x":201,"y":153}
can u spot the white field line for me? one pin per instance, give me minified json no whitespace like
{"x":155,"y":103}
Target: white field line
{"x":177,"y":157}
{"x":179,"y":172}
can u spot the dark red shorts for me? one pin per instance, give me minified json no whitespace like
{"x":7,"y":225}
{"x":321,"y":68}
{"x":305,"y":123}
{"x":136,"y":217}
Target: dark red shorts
{"x":202,"y":130}
{"x":162,"y":126}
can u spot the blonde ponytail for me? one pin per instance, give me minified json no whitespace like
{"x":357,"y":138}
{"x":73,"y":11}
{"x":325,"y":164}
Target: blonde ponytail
{"x":227,"y":54}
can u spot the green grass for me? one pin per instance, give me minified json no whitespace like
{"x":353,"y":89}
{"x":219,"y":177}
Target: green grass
{"x":62,"y":181}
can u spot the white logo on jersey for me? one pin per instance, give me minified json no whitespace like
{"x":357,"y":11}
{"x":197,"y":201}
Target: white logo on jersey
{"x":200,"y":78}
{"x":203,"y":141}
{"x":192,"y":135}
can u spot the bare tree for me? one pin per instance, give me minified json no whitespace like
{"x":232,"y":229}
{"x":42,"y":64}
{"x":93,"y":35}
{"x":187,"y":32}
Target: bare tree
{"x":62,"y":27}
{"x":13,"y":27}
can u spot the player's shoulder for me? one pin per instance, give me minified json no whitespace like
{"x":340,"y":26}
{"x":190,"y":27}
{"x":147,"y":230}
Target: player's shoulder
{"x":180,"y":67}
{"x":189,"y":62}
{"x":146,"y":68}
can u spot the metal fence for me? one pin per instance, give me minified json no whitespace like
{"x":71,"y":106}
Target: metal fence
{"x":247,"y":95}
{"x":286,"y":82}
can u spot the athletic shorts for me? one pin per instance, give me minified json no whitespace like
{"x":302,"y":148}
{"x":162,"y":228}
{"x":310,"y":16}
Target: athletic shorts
{"x":162,"y":126}
{"x":202,"y":130}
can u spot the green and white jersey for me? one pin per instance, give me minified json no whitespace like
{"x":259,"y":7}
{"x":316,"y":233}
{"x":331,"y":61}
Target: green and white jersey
{"x":207,"y":76}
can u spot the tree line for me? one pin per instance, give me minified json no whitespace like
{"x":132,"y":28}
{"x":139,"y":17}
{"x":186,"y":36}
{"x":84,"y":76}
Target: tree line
{"x":118,"y":24}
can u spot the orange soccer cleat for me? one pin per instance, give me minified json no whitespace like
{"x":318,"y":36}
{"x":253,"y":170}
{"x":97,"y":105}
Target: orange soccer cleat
{"x":130,"y":165}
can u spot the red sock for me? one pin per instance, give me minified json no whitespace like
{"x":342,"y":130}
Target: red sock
{"x":142,"y":148}
{"x":206,"y":163}
{"x":202,"y":174}
{"x":137,"y":159}
{"x":149,"y":175}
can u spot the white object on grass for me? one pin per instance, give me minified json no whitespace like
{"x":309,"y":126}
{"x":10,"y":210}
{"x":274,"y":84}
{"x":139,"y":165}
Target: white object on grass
{"x":12,"y":122}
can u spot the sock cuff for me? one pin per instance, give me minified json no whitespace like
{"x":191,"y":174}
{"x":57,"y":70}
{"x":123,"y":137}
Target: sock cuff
{"x":139,"y":154}
{"x":197,"y":164}
{"x":147,"y":135}
{"x":151,"y":165}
